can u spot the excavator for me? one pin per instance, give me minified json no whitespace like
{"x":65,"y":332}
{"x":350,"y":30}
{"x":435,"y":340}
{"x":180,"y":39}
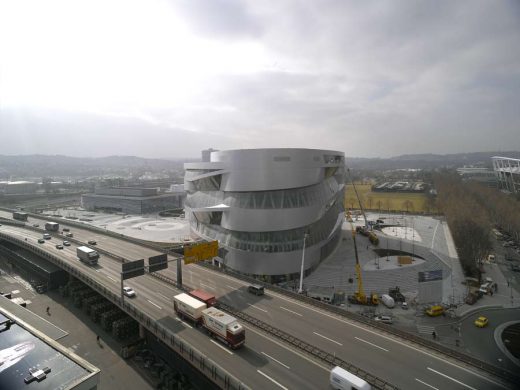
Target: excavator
{"x":359,"y":297}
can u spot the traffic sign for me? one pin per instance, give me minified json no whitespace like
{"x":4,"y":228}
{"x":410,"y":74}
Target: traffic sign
{"x":133,"y":269}
{"x":157,"y":263}
{"x":200,"y":251}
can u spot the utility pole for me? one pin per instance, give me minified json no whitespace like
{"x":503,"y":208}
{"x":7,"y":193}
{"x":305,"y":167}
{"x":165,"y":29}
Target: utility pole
{"x":300,"y":290}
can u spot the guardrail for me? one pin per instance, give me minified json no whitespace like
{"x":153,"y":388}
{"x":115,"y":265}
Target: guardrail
{"x":441,"y":349}
{"x":316,"y":352}
{"x":499,"y":372}
{"x":197,"y":359}
{"x":375,"y":381}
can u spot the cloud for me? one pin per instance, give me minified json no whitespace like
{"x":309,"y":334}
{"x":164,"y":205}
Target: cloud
{"x":369,"y":78}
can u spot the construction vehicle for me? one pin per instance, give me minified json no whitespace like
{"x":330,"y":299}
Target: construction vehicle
{"x":359,"y":200}
{"x":396,"y":294}
{"x":359,"y":297}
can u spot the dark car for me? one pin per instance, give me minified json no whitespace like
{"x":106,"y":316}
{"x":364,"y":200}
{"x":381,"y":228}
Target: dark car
{"x":256,"y":289}
{"x":515,"y":268}
{"x":59,"y":246}
{"x":41,"y":241}
{"x":92,"y":242}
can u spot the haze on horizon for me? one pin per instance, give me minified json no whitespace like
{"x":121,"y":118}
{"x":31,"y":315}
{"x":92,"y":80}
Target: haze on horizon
{"x":169,"y":78}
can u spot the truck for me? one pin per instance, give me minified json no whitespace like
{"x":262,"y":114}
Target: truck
{"x":341,"y":379}
{"x":224,"y":327}
{"x":20,"y":216}
{"x":52,"y":226}
{"x":189,"y":307}
{"x":206,"y":297}
{"x":217,"y":323}
{"x":388,"y":301}
{"x":87,"y":255}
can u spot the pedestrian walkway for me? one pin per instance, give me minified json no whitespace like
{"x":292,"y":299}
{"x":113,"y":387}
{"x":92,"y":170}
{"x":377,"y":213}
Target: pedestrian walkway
{"x":425,"y":329}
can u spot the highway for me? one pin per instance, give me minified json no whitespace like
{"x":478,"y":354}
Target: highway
{"x":265,"y":361}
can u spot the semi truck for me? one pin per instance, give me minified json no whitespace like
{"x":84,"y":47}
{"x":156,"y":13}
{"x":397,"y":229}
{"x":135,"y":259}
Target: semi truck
{"x":224,"y":327}
{"x":217,"y":323}
{"x":52,"y":226}
{"x":20,"y":216}
{"x":87,"y":255}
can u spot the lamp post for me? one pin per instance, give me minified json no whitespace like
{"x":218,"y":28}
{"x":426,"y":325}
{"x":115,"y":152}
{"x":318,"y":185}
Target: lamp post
{"x":300,"y":290}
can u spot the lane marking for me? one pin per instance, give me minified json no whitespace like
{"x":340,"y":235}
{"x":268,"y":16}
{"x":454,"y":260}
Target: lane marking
{"x":290,"y":311}
{"x":327,"y":338}
{"x":453,"y":379}
{"x":221,"y":346}
{"x":277,"y":361}
{"x":234,"y":288}
{"x":163,"y":296}
{"x":111,"y":278}
{"x":272,"y":380}
{"x":426,"y":384}
{"x":205,"y":285}
{"x":155,"y":304}
{"x":256,"y":307}
{"x":287,"y":348}
{"x":368,"y":342}
{"x":185,"y":323}
{"x":442,"y":359}
{"x":98,"y":270}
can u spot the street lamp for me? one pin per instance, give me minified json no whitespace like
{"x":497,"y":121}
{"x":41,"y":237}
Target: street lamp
{"x":305,"y":236}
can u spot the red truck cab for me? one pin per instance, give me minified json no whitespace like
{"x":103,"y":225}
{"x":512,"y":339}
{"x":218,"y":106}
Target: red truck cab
{"x":201,"y":295}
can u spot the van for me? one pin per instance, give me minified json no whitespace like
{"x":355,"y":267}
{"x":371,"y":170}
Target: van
{"x":256,"y":289}
{"x":341,"y":379}
{"x":384,"y":319}
{"x":435,"y":311}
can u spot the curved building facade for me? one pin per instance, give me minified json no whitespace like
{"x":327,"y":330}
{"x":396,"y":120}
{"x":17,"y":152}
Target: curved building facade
{"x":261,"y":203}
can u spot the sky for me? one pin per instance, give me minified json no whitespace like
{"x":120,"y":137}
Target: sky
{"x":166,"y":79}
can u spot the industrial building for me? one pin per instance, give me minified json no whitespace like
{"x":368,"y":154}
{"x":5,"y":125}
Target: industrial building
{"x":131,"y":200}
{"x":268,"y":208}
{"x":18,"y":187}
{"x":480,"y":174}
{"x":507,"y":171}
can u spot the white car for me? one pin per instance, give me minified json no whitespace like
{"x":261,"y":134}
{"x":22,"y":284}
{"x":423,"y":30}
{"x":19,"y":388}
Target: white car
{"x":129,"y":292}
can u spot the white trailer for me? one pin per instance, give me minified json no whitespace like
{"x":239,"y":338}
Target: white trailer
{"x":224,"y":327}
{"x":52,"y":226}
{"x":388,"y":301}
{"x":87,"y":255}
{"x":186,"y":306}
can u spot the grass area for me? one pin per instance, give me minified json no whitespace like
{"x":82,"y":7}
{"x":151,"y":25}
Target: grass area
{"x":387,"y":201}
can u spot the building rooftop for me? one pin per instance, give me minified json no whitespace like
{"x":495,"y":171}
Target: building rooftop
{"x":28,"y":357}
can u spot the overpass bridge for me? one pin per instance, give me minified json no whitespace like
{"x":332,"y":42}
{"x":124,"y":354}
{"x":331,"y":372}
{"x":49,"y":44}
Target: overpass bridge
{"x":275,"y":324}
